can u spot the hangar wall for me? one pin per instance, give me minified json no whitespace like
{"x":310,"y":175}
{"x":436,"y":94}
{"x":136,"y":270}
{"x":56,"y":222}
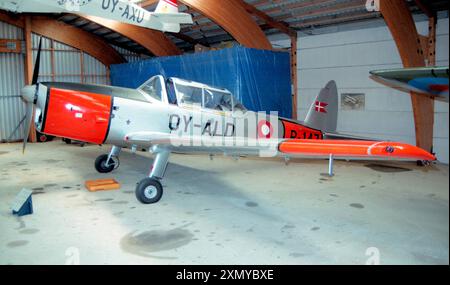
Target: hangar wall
{"x":12,"y":78}
{"x":347,"y":57}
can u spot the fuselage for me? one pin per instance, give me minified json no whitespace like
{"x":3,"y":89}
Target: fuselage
{"x":188,"y":111}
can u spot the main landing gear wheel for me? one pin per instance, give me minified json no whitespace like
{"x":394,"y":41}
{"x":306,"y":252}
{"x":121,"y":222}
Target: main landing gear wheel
{"x":423,"y":163}
{"x":149,"y":191}
{"x":100,"y":164}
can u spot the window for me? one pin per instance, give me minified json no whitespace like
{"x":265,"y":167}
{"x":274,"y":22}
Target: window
{"x":171,"y":95}
{"x":192,"y":93}
{"x":217,"y":100}
{"x":239,"y":107}
{"x":189,"y":95}
{"x":153,"y":88}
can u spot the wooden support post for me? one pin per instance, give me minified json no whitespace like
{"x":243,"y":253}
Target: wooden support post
{"x":52,"y":59}
{"x":82,"y":79}
{"x":401,"y":24}
{"x":29,"y":66}
{"x":294,"y":77}
{"x":28,"y":52}
{"x":431,"y":43}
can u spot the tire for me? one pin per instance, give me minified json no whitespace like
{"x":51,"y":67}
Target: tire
{"x":423,"y":163}
{"x":100,"y":164}
{"x":67,"y":141}
{"x":149,"y":191}
{"x":43,"y":137}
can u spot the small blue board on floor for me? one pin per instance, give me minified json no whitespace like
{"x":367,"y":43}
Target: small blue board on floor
{"x":23,"y":203}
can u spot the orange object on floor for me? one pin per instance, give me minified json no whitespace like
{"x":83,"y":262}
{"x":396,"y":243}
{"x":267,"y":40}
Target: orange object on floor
{"x":102,"y":185}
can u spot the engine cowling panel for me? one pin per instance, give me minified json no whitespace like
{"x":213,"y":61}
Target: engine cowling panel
{"x":77,"y":115}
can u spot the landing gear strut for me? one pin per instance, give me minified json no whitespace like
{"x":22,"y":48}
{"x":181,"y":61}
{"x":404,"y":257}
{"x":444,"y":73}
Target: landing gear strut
{"x":106,"y":163}
{"x":150,"y":190}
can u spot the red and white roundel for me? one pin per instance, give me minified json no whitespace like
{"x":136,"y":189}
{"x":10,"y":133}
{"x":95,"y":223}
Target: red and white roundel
{"x":265,"y":129}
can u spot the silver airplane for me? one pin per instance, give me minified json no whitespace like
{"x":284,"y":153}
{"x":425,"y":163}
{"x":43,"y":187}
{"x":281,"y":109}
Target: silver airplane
{"x":167,"y":115}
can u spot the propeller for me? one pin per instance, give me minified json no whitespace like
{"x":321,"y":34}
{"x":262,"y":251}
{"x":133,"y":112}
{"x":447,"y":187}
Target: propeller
{"x":29,"y":94}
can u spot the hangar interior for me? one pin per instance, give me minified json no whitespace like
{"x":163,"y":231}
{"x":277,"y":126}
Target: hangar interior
{"x":231,"y":209}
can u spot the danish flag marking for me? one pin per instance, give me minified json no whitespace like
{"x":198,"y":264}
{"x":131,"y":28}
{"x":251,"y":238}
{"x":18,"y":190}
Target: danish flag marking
{"x":321,"y":107}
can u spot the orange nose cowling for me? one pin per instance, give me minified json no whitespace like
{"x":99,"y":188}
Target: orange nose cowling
{"x":78,"y":115}
{"x":355,"y":149}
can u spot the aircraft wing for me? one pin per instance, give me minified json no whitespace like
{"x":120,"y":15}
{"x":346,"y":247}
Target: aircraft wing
{"x":340,"y":149}
{"x":118,"y":10}
{"x":425,"y":80}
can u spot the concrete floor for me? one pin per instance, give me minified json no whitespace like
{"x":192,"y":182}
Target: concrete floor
{"x":250,"y":211}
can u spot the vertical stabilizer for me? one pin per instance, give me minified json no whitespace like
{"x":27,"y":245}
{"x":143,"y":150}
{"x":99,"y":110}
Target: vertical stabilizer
{"x":323,"y":112}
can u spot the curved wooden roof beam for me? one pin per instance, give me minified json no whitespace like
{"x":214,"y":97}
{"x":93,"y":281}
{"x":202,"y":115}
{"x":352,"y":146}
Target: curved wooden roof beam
{"x":154,"y":41}
{"x":69,"y":35}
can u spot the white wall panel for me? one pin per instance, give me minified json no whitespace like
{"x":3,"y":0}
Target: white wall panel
{"x":347,"y":57}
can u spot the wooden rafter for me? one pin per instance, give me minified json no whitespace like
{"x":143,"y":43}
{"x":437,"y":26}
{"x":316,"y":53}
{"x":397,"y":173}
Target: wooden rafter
{"x":189,"y":39}
{"x":267,"y":19}
{"x":424,"y":6}
{"x":154,"y":41}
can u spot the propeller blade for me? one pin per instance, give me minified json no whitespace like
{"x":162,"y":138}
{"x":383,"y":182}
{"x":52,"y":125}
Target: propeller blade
{"x":37,"y":64}
{"x":28,"y":122}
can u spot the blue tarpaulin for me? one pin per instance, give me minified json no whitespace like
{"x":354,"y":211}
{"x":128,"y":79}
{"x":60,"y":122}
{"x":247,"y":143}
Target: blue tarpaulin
{"x":260,"y":79}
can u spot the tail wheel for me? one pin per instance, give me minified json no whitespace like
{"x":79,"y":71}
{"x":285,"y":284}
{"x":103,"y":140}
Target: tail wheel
{"x":100,"y":164}
{"x":423,"y":163}
{"x":149,"y":191}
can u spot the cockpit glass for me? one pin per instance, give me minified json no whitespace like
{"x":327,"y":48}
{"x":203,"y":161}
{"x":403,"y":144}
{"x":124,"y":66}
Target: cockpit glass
{"x":153,"y":88}
{"x":216,"y":100}
{"x":189,"y":95}
{"x":238,"y":106}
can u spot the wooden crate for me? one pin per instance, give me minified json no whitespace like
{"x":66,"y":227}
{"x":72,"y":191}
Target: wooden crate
{"x":102,"y":185}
